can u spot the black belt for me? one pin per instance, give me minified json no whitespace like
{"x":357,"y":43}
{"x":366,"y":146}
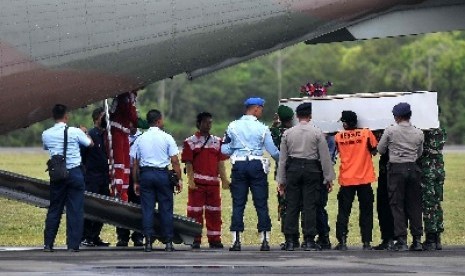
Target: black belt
{"x":153,"y":169}
{"x":403,"y":164}
{"x":303,"y":160}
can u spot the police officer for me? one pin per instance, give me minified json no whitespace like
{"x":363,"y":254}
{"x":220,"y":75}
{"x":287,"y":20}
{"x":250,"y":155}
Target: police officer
{"x":154,"y":151}
{"x":385,"y":220}
{"x":405,"y":145}
{"x":244,"y":141}
{"x":322,"y":221}
{"x":97,"y":179}
{"x":70,"y":191}
{"x":304,"y":164}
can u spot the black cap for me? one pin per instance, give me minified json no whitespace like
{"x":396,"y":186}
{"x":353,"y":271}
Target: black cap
{"x":348,"y":116}
{"x":401,"y":109}
{"x":304,"y":109}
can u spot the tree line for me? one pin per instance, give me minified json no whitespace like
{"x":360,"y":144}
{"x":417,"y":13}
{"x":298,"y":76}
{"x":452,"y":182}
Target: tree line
{"x":434,"y":62}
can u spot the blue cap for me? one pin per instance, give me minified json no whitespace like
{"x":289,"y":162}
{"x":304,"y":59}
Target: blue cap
{"x":401,"y":109}
{"x":254,"y":101}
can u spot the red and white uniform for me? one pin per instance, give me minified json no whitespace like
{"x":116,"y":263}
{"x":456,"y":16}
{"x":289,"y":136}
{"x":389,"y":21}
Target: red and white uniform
{"x":123,"y":115}
{"x":207,"y":196}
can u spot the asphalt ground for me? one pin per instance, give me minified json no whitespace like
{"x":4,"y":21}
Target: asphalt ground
{"x":250,"y":261}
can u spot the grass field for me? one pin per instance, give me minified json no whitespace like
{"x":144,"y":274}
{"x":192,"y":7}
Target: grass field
{"x":21,"y":224}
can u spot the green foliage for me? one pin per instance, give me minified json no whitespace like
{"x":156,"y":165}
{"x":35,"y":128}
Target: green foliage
{"x":428,"y":62}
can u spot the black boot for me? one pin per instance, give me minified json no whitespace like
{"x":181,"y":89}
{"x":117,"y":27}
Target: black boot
{"x":324,"y":242}
{"x":289,"y":245}
{"x":283,"y":245}
{"x":430,"y":242}
{"x":148,"y":244}
{"x":401,"y":244}
{"x":367,"y":246}
{"x":237,"y":243}
{"x":295,"y":239}
{"x":438,"y":241}
{"x":386,"y":244}
{"x":311,"y":244}
{"x":416,"y":244}
{"x":169,"y":247}
{"x":265,"y":245}
{"x":342,"y":245}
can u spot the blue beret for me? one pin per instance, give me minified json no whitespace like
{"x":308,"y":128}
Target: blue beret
{"x":254,"y":101}
{"x":401,"y":109}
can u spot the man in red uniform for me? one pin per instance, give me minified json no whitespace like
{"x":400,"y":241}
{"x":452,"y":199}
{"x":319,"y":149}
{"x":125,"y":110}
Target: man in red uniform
{"x":204,"y":163}
{"x":356,"y":173}
{"x":123,"y":116}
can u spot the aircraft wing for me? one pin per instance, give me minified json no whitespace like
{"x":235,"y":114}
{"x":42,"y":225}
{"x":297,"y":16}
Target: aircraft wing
{"x":428,"y":17}
{"x":80,"y":52}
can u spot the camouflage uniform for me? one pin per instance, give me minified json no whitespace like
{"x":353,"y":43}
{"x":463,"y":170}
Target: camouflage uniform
{"x":432,"y":184}
{"x":276,"y":134}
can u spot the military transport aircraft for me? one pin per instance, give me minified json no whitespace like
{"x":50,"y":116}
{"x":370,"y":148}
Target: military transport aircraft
{"x":80,"y":52}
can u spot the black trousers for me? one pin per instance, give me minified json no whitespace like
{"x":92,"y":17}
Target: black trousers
{"x":96,"y":182}
{"x":122,"y":233}
{"x":385,"y":219}
{"x":303,"y":186}
{"x":405,"y":198}
{"x":345,"y":198}
{"x":322,"y":225}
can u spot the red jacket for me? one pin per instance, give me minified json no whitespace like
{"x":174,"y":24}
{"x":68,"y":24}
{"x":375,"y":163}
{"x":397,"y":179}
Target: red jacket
{"x":204,"y":158}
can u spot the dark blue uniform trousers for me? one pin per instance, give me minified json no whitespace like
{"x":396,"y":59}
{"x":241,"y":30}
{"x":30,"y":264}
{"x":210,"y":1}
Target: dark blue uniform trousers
{"x":69,"y":193}
{"x":249,"y":175}
{"x":96,"y":182}
{"x":322,"y":225}
{"x":156,"y":188}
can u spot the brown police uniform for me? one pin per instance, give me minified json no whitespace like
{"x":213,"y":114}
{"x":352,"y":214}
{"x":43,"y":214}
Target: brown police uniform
{"x":304,"y":155}
{"x":405,"y":145}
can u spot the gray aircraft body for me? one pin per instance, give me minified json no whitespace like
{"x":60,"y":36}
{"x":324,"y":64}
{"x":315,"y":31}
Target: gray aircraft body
{"x":80,"y":52}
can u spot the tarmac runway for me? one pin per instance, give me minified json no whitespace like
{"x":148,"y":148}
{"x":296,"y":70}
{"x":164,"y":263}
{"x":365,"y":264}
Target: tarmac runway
{"x":250,"y":261}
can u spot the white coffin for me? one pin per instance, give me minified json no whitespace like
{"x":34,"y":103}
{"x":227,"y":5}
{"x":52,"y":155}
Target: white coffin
{"x":374,"y":110}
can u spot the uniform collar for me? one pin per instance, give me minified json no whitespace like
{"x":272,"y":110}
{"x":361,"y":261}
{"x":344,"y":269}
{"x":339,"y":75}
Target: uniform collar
{"x":60,"y":124}
{"x":405,"y":123}
{"x":249,"y":117}
{"x":154,"y":128}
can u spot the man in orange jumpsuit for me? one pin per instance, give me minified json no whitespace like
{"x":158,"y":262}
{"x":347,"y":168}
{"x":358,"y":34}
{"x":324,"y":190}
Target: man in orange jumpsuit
{"x":356,"y":173}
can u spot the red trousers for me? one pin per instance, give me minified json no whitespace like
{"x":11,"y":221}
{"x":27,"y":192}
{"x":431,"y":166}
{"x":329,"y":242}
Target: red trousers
{"x":120,"y":143}
{"x":206,"y":198}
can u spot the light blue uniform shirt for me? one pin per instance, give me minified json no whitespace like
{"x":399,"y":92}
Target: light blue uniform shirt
{"x":53,"y":140}
{"x":154,"y":148}
{"x":132,"y":140}
{"x":249,"y":137}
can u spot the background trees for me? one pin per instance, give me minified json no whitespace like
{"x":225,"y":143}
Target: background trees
{"x":428,"y":62}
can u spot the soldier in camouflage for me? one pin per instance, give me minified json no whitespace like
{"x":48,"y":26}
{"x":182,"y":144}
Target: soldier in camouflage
{"x":282,"y":122}
{"x":432,"y":184}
